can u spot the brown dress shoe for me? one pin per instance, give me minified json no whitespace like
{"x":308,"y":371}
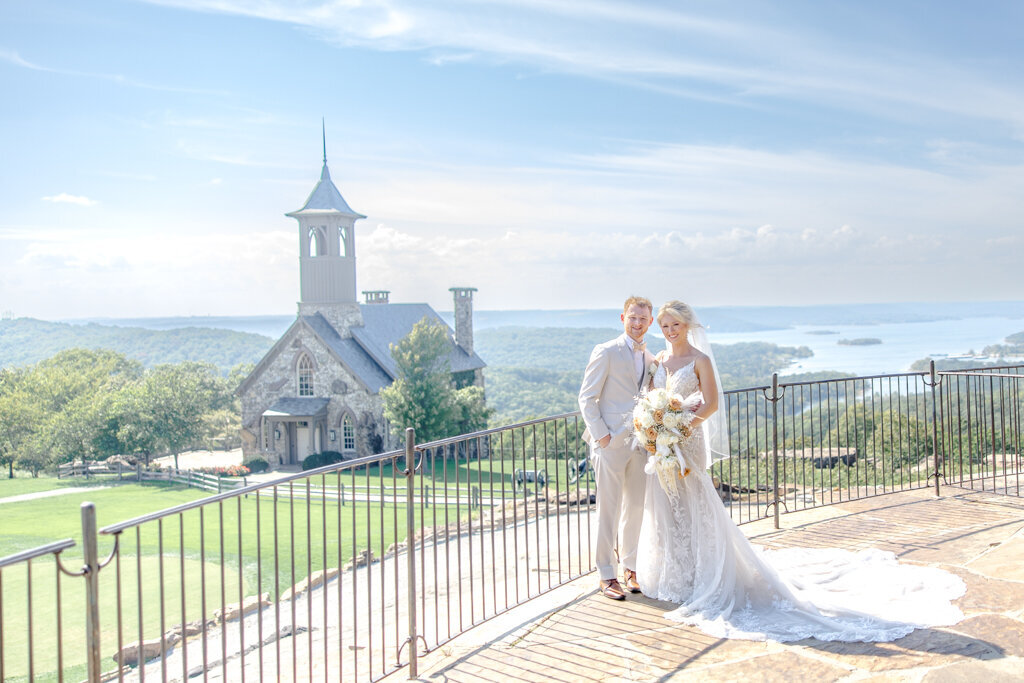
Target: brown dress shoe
{"x":629,"y":579}
{"x":610,"y":588}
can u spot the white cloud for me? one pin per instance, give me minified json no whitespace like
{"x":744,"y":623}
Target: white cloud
{"x":770,"y":56}
{"x":712,"y":224}
{"x":16,"y":59}
{"x":65,"y":198}
{"x":67,"y":274}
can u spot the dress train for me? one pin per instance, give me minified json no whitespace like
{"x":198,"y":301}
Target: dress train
{"x":693,"y":554}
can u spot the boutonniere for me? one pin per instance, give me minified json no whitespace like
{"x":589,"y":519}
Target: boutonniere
{"x":652,"y":368}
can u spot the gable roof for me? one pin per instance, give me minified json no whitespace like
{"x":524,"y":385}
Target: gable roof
{"x":265,"y":361}
{"x":325,"y":199}
{"x":386,"y":324}
{"x":367,"y":353}
{"x":365,"y":368}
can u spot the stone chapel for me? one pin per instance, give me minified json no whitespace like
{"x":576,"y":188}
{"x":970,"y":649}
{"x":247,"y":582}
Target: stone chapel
{"x":318,"y":388}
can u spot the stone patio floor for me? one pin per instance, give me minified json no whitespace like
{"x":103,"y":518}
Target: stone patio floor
{"x":574,"y":634}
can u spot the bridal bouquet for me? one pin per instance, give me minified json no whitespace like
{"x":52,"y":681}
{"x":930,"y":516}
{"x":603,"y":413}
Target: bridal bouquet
{"x":661,"y":423}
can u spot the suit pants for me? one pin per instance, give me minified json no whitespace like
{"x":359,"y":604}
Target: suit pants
{"x":620,"y":477}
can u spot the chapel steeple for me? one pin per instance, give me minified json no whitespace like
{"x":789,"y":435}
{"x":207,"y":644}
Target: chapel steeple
{"x":327,"y":247}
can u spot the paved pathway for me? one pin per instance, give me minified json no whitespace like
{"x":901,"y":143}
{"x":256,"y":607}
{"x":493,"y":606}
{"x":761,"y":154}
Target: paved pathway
{"x":48,"y":494}
{"x":573,"y":634}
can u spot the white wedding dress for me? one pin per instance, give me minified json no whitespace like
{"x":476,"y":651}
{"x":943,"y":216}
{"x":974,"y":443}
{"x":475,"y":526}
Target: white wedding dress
{"x":693,"y":554}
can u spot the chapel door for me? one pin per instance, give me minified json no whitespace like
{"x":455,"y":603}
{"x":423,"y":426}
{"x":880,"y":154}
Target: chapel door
{"x":304,"y":435}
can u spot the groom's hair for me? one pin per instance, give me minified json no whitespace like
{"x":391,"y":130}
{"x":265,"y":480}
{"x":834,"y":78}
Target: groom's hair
{"x":639,"y":301}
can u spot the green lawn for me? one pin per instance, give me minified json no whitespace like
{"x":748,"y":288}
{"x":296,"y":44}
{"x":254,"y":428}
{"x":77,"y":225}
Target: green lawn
{"x":255,"y":544}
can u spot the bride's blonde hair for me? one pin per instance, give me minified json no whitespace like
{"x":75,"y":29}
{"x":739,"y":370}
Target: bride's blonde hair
{"x":680,"y":312}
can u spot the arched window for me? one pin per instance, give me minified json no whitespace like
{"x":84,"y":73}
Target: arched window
{"x":342,"y":241}
{"x":305,"y":376}
{"x":348,"y":434}
{"x":316,"y":243}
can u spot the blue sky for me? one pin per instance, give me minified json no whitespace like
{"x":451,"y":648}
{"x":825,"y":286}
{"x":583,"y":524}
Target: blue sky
{"x":552,"y":154}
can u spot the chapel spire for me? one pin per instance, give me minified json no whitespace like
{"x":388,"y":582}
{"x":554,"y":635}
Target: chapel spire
{"x":327,"y":245}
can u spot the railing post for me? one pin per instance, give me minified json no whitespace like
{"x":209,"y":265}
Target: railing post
{"x":410,"y":546}
{"x":92,"y":588}
{"x":935,"y":424}
{"x":775,"y":446}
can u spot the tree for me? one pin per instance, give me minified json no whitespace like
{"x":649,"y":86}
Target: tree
{"x":423,"y":396}
{"x":57,"y":410}
{"x":168,"y":409}
{"x":470,"y":412}
{"x":91,"y":404}
{"x":16,"y":425}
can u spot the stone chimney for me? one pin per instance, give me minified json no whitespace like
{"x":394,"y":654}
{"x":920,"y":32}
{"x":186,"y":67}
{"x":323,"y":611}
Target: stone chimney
{"x":464,"y":317}
{"x":376,"y":296}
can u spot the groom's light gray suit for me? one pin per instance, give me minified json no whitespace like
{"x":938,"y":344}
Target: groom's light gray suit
{"x":610,"y":383}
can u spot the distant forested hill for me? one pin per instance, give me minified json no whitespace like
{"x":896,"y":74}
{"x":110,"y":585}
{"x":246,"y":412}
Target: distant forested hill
{"x":551,"y":348}
{"x":24,"y":341}
{"x":536,"y":371}
{"x":567,"y":349}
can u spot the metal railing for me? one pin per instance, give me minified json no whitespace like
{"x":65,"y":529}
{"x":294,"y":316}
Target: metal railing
{"x":353,"y":570}
{"x":983,"y":429}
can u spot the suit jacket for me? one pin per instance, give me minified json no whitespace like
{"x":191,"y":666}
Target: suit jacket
{"x":610,"y":385}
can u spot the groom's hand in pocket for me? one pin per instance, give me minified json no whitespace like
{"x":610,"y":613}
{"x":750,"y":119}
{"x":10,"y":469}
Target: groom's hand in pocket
{"x":604,"y":441}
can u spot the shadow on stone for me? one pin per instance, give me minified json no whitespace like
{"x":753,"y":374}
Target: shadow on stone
{"x":923,"y":647}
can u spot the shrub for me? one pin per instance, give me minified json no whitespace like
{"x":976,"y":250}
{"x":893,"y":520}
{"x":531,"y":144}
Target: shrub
{"x":321,"y":459}
{"x":257,"y":465}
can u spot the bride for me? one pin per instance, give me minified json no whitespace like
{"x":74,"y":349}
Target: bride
{"x":693,"y":554}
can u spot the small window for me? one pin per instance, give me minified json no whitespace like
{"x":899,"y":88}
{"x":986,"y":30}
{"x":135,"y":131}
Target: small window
{"x":348,"y":434}
{"x":305,"y":376}
{"x":316,"y":243}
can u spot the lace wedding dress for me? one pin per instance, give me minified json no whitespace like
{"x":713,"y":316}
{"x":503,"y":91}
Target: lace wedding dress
{"x":693,"y":554}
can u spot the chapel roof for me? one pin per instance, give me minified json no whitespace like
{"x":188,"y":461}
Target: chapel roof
{"x":386,"y":324}
{"x":325,"y":199}
{"x":366,"y":369}
{"x":367,"y":353}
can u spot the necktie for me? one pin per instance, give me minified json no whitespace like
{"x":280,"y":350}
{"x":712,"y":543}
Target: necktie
{"x":639,"y":347}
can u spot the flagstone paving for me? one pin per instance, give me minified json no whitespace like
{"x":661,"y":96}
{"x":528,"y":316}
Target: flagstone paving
{"x":574,"y":634}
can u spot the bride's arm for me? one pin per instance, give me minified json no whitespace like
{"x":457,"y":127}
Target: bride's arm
{"x":708,"y":388}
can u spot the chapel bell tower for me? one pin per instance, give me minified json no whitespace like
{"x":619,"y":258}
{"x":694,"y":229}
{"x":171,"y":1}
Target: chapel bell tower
{"x":327,"y":253}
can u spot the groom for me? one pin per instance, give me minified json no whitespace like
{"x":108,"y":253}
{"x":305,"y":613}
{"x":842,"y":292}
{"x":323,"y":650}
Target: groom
{"x":611,"y":381}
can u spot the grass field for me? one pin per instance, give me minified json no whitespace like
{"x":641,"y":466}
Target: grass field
{"x":219,"y":553}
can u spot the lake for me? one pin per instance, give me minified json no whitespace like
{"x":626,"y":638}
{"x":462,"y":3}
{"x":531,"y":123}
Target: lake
{"x":902,"y":343}
{"x":907,"y":331}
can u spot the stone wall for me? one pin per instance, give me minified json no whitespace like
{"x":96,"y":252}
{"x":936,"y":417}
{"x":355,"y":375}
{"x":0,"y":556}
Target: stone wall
{"x":330,"y":380}
{"x":340,"y":316}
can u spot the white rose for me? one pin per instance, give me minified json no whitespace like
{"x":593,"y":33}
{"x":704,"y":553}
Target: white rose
{"x":659,"y":399}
